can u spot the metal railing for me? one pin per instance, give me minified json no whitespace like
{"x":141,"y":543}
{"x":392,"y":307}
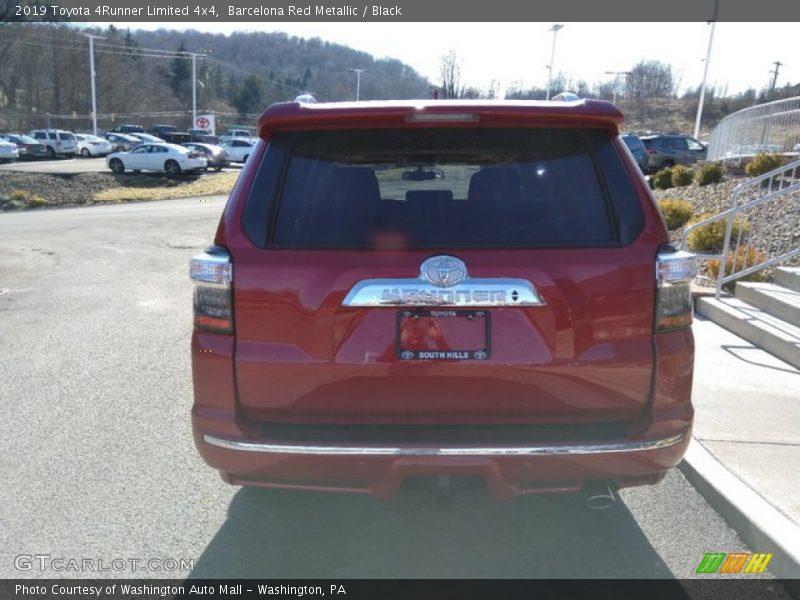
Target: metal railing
{"x":762,"y":225}
{"x":770,"y":127}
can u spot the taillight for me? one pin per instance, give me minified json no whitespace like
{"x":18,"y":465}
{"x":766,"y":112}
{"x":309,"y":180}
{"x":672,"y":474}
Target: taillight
{"x":212,"y":273}
{"x":675,"y":271}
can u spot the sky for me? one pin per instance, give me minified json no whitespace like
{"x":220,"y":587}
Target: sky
{"x":742,"y":54}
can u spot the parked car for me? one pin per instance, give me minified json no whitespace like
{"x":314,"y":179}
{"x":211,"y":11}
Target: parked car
{"x":146,"y":137}
{"x":58,"y":142}
{"x":162,"y":130}
{"x":8,"y":151}
{"x":198,"y":135}
{"x":665,"y":150}
{"x":215,"y":155}
{"x":92,"y":145}
{"x":27,"y":147}
{"x":122,"y":142}
{"x":126,"y":129}
{"x":235,"y":134}
{"x":239,"y":150}
{"x":638,"y":150}
{"x":164,"y":158}
{"x":523,"y":320}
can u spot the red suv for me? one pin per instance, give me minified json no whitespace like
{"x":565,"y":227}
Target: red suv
{"x":416,"y":289}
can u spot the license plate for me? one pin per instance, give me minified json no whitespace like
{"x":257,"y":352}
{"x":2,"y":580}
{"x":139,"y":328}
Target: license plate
{"x":443,"y":334}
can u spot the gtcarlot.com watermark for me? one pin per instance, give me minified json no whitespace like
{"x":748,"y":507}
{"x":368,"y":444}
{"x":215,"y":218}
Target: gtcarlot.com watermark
{"x":60,"y":564}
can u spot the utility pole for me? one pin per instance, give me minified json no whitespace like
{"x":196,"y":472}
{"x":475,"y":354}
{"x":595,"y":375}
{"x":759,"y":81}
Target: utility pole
{"x":778,"y":64}
{"x":705,"y":72}
{"x":616,"y":75}
{"x":358,"y":73}
{"x":92,"y":38}
{"x":555,"y":29}
{"x":194,"y":89}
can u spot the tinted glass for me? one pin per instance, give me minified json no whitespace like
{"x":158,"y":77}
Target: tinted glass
{"x":443,"y":187}
{"x":66,"y":136}
{"x":633,"y":142}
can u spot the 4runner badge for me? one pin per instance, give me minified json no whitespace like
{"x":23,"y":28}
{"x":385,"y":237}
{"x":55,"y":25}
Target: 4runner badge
{"x":443,"y":281}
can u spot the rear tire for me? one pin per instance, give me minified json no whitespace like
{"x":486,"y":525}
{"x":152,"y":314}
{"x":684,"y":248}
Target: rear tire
{"x":119,"y":149}
{"x":172,"y":168}
{"x":51,"y":154}
{"x":117,"y":166}
{"x":85,"y":153}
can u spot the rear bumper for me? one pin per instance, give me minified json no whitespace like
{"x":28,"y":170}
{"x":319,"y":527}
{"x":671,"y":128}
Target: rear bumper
{"x":247,"y":453}
{"x":380,"y":470}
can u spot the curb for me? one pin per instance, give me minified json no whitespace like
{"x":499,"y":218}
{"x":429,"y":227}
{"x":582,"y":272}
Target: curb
{"x":758,"y":523}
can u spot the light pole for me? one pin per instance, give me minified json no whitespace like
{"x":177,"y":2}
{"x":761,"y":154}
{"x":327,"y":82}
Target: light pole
{"x":555,"y":29}
{"x":705,"y":72}
{"x":92,"y":38}
{"x":616,"y":75}
{"x":194,"y":89}
{"x":358,"y":73}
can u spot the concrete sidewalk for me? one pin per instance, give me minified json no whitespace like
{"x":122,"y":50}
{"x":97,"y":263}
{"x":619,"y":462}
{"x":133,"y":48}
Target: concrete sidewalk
{"x":747,"y":417}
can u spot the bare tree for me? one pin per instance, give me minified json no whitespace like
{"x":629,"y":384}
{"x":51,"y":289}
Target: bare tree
{"x":649,"y":79}
{"x":450,"y":70}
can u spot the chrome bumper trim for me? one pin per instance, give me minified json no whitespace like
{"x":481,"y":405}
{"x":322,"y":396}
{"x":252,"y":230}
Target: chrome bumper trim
{"x":266,"y":448}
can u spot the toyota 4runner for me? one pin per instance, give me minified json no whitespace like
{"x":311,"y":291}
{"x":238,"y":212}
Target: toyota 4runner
{"x":442,"y":289}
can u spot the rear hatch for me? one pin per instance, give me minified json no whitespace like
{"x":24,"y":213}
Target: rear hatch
{"x":445,"y":274}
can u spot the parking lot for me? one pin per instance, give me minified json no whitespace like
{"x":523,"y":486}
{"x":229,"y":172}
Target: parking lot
{"x":98,"y":461}
{"x":66,"y":166}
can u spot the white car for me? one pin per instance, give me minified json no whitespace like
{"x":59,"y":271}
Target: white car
{"x":58,"y":142}
{"x":92,"y":145}
{"x":239,"y":150}
{"x":163,"y":158}
{"x":235,"y":134}
{"x":8,"y":151}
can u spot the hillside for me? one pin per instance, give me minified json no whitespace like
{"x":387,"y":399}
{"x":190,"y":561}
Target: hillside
{"x":145,"y":76}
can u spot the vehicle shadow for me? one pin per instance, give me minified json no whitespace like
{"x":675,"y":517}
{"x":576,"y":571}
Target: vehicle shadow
{"x":285,"y":534}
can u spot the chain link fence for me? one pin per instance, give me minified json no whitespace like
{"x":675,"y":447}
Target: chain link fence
{"x":770,"y":127}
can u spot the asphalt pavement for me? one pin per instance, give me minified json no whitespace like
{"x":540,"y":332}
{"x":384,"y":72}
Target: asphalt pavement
{"x":97,"y":459}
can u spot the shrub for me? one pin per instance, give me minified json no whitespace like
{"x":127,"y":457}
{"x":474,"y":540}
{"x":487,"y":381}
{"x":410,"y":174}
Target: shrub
{"x":663,"y":179}
{"x":681,"y":176}
{"x":711,"y":237}
{"x":709,"y":173}
{"x":29,"y":198}
{"x":676,"y":212}
{"x":35,"y":201}
{"x":745,"y":255}
{"x":763,"y":163}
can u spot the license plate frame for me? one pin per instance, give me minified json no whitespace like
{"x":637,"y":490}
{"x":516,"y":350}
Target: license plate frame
{"x":447,"y":354}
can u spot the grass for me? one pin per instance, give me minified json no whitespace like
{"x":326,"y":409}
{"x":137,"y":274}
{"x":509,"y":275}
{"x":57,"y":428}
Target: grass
{"x":207,"y":185}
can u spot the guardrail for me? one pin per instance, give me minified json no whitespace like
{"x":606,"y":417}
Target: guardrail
{"x":762,"y":225}
{"x":770,"y":127}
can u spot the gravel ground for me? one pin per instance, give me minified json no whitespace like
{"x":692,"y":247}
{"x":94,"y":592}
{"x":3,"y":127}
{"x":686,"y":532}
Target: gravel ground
{"x":78,"y":189}
{"x":772,"y":224}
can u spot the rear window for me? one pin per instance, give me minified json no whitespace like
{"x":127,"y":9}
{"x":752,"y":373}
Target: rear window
{"x":633,"y":142}
{"x":66,"y":136}
{"x":455,"y":187}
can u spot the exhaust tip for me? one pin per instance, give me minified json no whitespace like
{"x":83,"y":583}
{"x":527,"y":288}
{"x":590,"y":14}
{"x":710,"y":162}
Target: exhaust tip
{"x":599,"y":495}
